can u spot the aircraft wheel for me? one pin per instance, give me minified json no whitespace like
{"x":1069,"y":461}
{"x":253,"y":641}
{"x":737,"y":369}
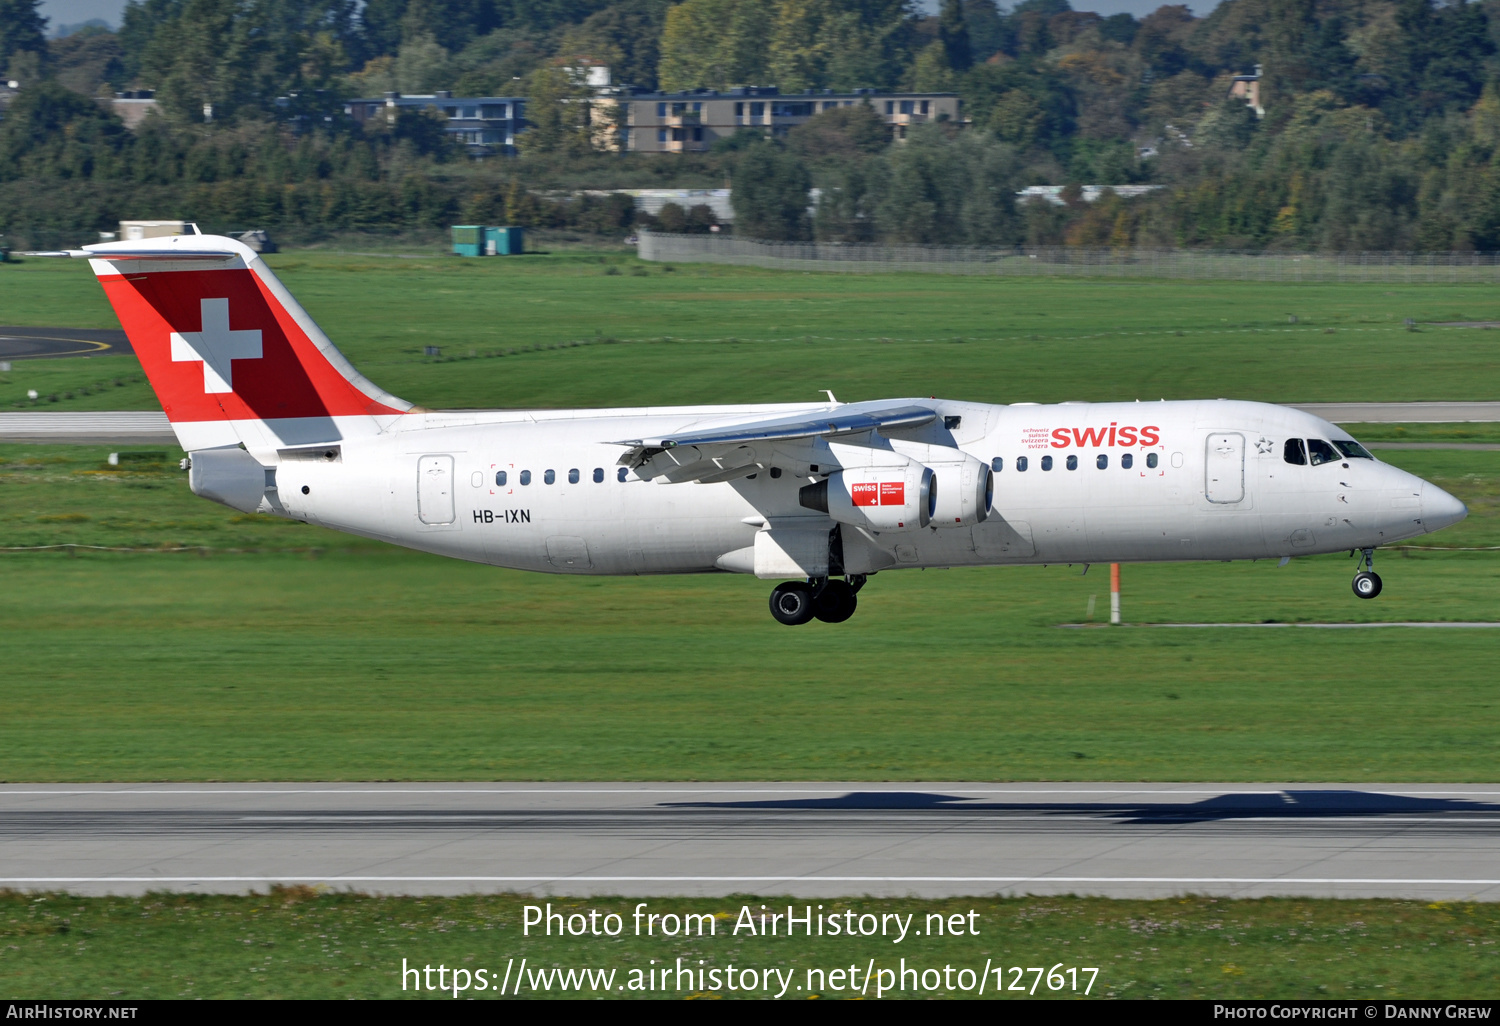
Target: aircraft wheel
{"x":836,"y":602}
{"x":792,"y":603}
{"x":1367,"y":584}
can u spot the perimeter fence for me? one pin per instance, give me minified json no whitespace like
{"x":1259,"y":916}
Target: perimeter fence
{"x":1068,"y":261}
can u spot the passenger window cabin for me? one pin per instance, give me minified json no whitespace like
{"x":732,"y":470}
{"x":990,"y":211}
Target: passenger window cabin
{"x":1046,"y":462}
{"x":1072,"y":462}
{"x":526,"y":477}
{"x":573,"y":476}
{"x":1021,"y":464}
{"x":621,"y":475}
{"x":499,"y":479}
{"x":1151,"y":460}
{"x":1127,"y":461}
{"x":997,"y":464}
{"x":598,"y":475}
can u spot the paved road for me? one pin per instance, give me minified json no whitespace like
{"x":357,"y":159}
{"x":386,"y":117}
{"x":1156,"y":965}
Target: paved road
{"x":23,"y":343}
{"x":1461,"y":446}
{"x":135,"y":427}
{"x":1403,"y":413}
{"x":145,"y":428}
{"x":819,"y":839}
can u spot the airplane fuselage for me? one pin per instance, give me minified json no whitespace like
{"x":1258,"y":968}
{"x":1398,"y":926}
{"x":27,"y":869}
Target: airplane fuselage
{"x":1084,"y":482}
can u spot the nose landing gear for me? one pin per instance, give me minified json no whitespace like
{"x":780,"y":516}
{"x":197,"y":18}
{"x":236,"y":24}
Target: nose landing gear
{"x":824,"y":598}
{"x":1367,"y":582}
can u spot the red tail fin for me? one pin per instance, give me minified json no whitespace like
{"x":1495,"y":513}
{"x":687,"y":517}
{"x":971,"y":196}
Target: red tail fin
{"x":232,"y":356}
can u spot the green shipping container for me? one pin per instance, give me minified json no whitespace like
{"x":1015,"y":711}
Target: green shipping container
{"x":468,"y":240}
{"x":509,"y":241}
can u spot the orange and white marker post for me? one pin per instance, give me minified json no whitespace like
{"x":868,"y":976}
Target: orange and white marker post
{"x":1114,"y":593}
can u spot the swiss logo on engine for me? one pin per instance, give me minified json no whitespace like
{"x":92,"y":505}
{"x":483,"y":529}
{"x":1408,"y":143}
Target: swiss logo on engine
{"x":883,"y":493}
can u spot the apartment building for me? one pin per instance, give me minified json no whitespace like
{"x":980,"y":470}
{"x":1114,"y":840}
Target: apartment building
{"x":485,"y":124}
{"x":691,"y":122}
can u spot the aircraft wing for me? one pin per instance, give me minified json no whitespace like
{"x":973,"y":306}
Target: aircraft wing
{"x":709,"y":452}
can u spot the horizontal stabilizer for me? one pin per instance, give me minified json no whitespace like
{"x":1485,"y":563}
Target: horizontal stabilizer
{"x":97,"y":253}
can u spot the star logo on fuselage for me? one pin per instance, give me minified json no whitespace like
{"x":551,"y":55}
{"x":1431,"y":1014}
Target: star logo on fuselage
{"x":1264,"y":445}
{"x":217,"y":346}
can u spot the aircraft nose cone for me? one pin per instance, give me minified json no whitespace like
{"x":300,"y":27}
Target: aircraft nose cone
{"x":1439,"y":509}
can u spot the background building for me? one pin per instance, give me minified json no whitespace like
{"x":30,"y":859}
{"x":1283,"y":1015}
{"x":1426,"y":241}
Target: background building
{"x":690,"y":122}
{"x":132,"y":106}
{"x":1247,"y":88}
{"x":486,"y":124}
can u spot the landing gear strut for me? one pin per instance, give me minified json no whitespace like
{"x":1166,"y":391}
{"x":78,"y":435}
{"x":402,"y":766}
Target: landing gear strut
{"x":825,"y":598}
{"x":1367,"y":582}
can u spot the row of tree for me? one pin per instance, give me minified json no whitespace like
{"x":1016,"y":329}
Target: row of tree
{"x":1381,"y":127}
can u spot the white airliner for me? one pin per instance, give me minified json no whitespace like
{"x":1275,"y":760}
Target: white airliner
{"x":819,"y":495}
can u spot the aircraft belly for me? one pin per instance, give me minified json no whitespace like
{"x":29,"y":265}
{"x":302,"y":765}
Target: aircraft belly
{"x":1060,"y":536}
{"x":1124,"y":533}
{"x":1003,"y":539}
{"x":682,"y":544}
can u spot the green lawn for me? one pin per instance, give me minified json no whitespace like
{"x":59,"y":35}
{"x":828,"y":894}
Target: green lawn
{"x":556,"y":330}
{"x":212,"y":645}
{"x":299,"y":944}
{"x":278,"y":650}
{"x":285,"y":651}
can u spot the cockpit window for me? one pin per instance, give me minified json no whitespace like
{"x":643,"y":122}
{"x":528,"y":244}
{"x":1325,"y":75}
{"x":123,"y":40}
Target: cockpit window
{"x":1321,"y":452}
{"x":1295,"y":452}
{"x":1351,"y":449}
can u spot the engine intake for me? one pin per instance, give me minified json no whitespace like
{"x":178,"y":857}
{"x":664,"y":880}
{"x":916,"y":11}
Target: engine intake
{"x":965,"y":493}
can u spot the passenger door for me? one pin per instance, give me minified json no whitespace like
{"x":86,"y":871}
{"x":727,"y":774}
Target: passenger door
{"x":1224,"y":468}
{"x":435,"y":489}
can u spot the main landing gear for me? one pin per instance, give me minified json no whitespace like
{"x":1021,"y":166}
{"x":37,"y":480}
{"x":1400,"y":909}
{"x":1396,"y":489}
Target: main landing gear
{"x":1367,"y":582}
{"x":824,"y":598}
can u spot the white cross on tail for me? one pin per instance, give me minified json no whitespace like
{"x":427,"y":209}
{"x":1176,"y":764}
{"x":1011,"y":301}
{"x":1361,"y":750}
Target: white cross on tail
{"x":216,"y":346}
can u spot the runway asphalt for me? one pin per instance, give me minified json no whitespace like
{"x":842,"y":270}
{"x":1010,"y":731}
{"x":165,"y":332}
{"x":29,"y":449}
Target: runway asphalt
{"x":130,"y":427}
{"x":1403,"y":413}
{"x":1427,"y":841}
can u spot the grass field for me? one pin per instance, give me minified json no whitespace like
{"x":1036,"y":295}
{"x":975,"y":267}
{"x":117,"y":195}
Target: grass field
{"x":295,"y":943}
{"x":557,"y":330}
{"x":167,"y":638}
{"x":279,"y":650}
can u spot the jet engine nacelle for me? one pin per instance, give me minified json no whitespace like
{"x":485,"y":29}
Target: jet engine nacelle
{"x":965,"y":492}
{"x":879,"y":498}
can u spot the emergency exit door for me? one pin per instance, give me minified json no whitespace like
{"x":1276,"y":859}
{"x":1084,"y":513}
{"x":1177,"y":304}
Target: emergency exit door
{"x":435,"y":489}
{"x":1224,"y":468}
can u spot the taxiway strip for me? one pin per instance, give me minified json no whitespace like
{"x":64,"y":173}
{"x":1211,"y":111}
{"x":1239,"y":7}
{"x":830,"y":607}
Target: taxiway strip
{"x":811,"y":839}
{"x":41,"y":343}
{"x":141,"y":427}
